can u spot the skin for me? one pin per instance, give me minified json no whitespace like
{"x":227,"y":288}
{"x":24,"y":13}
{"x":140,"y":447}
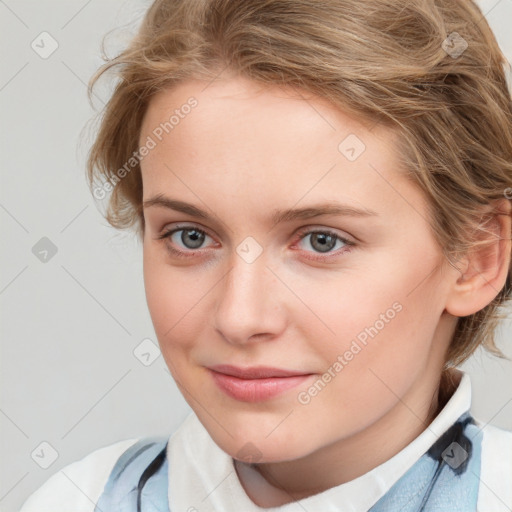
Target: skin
{"x":244,"y":151}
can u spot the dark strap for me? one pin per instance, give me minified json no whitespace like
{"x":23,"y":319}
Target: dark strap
{"x":139,"y":479}
{"x":446,"y":478}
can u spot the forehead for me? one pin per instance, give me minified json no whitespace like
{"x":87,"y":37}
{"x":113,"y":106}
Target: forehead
{"x":259,"y":108}
{"x":241,"y":137}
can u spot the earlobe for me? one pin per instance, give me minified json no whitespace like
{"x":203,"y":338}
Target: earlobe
{"x":483,"y":270}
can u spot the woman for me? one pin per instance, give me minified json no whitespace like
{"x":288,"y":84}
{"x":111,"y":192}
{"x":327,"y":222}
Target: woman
{"x":321,"y":189}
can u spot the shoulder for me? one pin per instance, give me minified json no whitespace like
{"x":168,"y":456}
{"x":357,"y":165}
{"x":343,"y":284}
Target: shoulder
{"x":495,"y":492}
{"x":78,"y":485}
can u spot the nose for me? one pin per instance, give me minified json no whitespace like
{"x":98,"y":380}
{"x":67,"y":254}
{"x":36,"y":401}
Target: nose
{"x":250,"y":303}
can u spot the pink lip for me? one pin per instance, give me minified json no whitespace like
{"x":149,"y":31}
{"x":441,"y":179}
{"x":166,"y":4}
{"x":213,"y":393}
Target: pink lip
{"x":257,"y":383}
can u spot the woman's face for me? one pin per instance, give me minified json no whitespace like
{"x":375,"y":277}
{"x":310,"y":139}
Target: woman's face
{"x":255,"y":272}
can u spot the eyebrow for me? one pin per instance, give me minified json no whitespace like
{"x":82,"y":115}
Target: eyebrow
{"x":277,"y":216}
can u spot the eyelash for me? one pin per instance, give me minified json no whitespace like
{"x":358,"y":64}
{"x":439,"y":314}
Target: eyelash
{"x":302,"y":233}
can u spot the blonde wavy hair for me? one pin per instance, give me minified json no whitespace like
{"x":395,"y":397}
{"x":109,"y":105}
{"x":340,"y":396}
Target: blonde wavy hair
{"x":401,"y":63}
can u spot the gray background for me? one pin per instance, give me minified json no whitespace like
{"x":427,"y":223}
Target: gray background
{"x":70,"y":324}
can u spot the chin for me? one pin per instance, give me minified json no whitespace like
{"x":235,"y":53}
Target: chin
{"x":251,"y":443}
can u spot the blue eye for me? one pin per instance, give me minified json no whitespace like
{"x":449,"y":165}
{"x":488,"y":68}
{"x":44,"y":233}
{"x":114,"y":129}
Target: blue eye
{"x":191,"y":237}
{"x":323,"y":241}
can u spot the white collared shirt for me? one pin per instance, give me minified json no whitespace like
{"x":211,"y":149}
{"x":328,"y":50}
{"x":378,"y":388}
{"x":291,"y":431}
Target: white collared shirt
{"x":202,"y":477}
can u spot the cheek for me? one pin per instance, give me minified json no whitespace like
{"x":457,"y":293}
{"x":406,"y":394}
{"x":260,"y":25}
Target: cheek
{"x":347,"y":306}
{"x":369,"y":365}
{"x":378,"y":318}
{"x":173,"y":297}
{"x":383,"y":342}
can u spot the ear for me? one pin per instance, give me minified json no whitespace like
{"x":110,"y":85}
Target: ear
{"x":483,"y":270}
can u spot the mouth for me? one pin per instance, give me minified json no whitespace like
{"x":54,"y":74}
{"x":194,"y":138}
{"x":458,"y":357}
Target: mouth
{"x":255,"y":384}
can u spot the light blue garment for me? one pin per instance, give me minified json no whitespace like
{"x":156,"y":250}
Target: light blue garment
{"x":444,"y":479}
{"x":138,"y":482}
